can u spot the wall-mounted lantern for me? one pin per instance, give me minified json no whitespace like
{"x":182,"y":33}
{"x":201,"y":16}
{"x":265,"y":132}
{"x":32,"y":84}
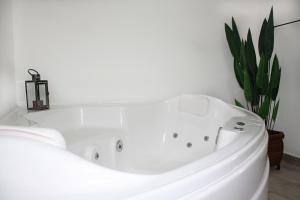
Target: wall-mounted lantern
{"x":37,"y":94}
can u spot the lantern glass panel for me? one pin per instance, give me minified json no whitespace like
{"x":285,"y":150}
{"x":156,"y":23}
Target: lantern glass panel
{"x":42,"y":91}
{"x":31,"y":95}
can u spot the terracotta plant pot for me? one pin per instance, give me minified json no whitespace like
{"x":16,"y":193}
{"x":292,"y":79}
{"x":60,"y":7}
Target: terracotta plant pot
{"x":275,"y":147}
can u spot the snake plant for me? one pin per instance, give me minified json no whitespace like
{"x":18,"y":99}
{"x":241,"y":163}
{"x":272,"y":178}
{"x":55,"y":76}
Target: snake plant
{"x":258,"y":75}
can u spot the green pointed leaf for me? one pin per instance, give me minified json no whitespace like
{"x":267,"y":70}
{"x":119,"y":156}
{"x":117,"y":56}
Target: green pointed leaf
{"x":269,"y":37}
{"x":239,"y":74}
{"x":243,"y":58}
{"x":275,"y":111}
{"x":230,"y":40}
{"x":275,"y":90}
{"x":261,"y":42}
{"x":275,"y":78}
{"x":262,"y":78}
{"x":266,"y":37}
{"x":247,"y":86}
{"x":237,"y":103}
{"x":233,"y":39}
{"x":251,"y":56}
{"x":264,"y":109}
{"x":255,"y":100}
{"x":237,"y":39}
{"x":235,"y":31}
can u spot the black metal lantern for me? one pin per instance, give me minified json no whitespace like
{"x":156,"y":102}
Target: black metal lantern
{"x":37,"y":94}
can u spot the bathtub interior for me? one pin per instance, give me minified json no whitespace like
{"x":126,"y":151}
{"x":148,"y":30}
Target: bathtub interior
{"x":152,"y":138}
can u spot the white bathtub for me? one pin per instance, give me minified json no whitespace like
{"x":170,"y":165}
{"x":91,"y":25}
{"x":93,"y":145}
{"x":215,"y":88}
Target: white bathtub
{"x":189,"y":147}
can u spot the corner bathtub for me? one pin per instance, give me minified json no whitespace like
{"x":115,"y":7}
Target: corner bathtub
{"x":188,"y":147}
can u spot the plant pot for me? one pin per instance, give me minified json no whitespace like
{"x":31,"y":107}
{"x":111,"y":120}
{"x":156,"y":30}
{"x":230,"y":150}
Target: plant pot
{"x":275,"y":147}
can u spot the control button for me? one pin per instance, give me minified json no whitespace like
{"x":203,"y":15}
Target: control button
{"x":238,"y":128}
{"x":241,"y":123}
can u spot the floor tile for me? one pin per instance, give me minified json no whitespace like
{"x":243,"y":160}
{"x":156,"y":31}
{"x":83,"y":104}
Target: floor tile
{"x":285,"y":183}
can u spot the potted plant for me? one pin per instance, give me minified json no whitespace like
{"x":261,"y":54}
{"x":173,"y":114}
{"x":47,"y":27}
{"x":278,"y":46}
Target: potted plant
{"x":259,"y":80}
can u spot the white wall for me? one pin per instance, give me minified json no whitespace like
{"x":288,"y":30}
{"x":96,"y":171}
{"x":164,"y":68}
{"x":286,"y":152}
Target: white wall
{"x":7,"y":80}
{"x":95,"y":51}
{"x":288,"y":46}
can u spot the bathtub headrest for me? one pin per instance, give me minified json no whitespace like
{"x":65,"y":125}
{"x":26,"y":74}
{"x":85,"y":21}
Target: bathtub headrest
{"x":49,"y":136}
{"x":194,"y":104}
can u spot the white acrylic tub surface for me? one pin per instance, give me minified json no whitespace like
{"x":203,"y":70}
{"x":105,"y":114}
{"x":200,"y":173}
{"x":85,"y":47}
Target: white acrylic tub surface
{"x":189,"y":147}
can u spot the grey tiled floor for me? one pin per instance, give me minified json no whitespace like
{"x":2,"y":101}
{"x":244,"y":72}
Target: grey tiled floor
{"x":284,"y":184}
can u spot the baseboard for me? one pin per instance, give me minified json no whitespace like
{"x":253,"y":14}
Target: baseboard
{"x":291,"y":159}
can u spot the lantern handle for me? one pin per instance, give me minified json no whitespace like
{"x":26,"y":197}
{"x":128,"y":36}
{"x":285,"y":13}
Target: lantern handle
{"x":30,"y":72}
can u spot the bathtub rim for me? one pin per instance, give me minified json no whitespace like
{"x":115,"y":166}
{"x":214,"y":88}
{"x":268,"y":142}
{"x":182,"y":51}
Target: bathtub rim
{"x":196,"y":166}
{"x":234,"y":150}
{"x":231,"y":150}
